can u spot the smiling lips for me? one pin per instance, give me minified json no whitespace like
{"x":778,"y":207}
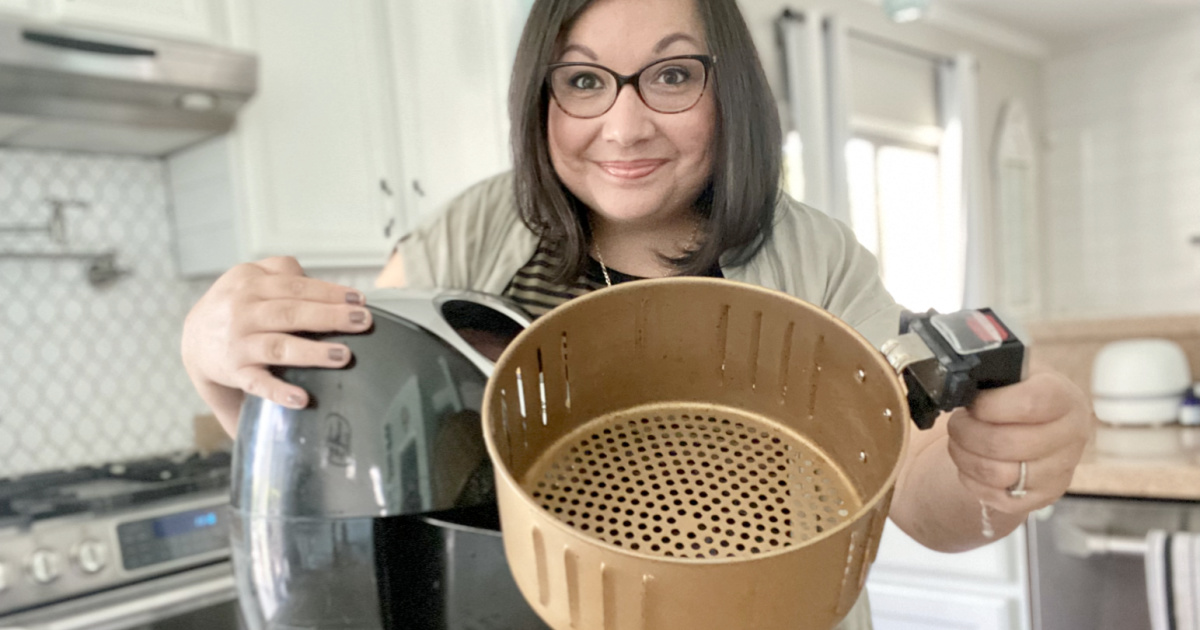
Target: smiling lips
{"x":632,"y":169}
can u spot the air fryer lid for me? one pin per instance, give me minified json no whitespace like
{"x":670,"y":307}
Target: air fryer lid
{"x":396,"y":432}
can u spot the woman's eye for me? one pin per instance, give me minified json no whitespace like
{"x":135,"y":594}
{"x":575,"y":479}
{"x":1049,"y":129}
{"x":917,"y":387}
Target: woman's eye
{"x":586,"y":81}
{"x":674,"y":76}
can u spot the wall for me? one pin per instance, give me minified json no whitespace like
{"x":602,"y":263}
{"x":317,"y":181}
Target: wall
{"x":91,"y":375}
{"x":1123,"y":172}
{"x":1003,"y":75}
{"x":1070,"y":346}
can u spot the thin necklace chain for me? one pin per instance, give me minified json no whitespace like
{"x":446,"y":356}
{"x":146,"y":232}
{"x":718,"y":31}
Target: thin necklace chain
{"x":604,"y":268}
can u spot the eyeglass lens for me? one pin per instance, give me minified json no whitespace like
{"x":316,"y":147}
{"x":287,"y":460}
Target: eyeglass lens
{"x":668,"y":87}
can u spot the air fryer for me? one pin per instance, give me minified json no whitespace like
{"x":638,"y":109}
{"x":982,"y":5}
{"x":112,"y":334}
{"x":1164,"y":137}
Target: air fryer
{"x":375,"y":507}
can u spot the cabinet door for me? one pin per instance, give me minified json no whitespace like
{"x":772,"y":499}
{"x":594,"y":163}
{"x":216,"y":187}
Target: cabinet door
{"x":905,"y":608}
{"x":24,"y":7}
{"x":902,"y":559}
{"x":913,"y":587}
{"x":453,"y":61}
{"x":318,"y":142}
{"x":179,"y":18}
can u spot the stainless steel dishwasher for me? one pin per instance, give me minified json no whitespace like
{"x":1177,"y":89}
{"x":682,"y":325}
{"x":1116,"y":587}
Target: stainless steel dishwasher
{"x":1087,"y":560}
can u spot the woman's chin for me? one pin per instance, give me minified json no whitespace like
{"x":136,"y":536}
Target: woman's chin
{"x":631,"y":209}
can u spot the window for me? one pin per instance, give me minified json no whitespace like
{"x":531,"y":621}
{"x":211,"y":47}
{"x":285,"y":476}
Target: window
{"x":896,"y":212}
{"x":883,"y":138}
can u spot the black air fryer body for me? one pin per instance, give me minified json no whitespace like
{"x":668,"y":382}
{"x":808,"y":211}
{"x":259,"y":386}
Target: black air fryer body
{"x":374,"y":508}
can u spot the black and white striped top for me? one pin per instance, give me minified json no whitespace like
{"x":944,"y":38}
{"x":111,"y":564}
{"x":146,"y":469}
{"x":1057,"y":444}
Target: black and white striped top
{"x":533,"y":290}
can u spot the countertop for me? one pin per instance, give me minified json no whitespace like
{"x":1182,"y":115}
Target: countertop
{"x":1070,"y":347}
{"x":1174,"y":477}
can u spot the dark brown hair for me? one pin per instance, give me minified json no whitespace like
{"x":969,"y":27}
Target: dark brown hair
{"x":739,"y":201}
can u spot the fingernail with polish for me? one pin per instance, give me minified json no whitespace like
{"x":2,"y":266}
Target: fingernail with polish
{"x":358,"y":317}
{"x":354,"y":297}
{"x":337,"y":354}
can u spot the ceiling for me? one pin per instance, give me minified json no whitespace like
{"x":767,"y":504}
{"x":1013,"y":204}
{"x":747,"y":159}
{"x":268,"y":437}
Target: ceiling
{"x":1057,"y":21}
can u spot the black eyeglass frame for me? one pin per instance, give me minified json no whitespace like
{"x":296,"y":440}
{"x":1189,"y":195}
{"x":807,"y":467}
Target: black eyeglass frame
{"x":708,"y":61}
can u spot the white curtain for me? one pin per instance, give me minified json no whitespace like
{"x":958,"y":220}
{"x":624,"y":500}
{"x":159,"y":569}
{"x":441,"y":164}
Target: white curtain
{"x":838,"y":85}
{"x":812,"y":46}
{"x":962,"y":172}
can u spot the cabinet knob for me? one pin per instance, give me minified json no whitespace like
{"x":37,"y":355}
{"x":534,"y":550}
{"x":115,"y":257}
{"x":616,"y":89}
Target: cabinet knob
{"x":391,"y":219}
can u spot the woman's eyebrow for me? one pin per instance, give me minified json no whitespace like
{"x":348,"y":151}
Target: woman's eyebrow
{"x":662,"y":45}
{"x":581,"y":49}
{"x":672,"y":38}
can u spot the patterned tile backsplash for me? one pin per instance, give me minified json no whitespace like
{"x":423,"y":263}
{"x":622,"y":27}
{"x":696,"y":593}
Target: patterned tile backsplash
{"x":92,"y":374}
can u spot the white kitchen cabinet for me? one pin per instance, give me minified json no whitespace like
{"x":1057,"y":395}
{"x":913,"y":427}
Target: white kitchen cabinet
{"x":368,"y":116}
{"x":203,"y":185}
{"x":913,"y":587}
{"x":453,"y":61}
{"x":196,"y":20}
{"x":20,"y":7}
{"x":895,"y":607}
{"x":317,"y":145}
{"x":189,"y":19}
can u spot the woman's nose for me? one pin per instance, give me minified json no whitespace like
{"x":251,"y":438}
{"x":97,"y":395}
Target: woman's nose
{"x":629,"y":121}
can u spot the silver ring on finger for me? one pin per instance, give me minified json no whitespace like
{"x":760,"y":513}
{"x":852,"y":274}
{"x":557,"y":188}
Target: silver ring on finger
{"x":1017,"y":490}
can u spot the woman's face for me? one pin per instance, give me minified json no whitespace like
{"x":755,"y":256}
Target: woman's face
{"x":634,"y":165}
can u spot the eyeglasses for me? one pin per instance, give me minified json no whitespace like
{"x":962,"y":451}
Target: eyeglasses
{"x":667,"y":86}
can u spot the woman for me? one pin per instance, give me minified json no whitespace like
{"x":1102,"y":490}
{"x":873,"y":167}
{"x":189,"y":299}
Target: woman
{"x":645,"y":140}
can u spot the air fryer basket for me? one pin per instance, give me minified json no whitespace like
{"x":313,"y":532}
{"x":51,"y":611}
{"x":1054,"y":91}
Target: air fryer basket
{"x":693,"y":453}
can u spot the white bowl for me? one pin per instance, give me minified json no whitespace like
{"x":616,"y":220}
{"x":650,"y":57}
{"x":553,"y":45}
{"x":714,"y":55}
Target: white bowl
{"x":1155,"y":410}
{"x":1140,"y":381}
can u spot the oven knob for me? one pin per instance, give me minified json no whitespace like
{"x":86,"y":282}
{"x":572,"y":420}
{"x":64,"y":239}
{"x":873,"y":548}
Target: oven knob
{"x":44,"y":566}
{"x":91,"y":556}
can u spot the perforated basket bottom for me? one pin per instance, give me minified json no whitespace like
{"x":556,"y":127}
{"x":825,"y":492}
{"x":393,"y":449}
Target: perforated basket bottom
{"x":687,"y":481}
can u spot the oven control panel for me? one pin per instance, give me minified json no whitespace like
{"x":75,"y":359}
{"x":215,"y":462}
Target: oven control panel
{"x":60,"y":558}
{"x":171,"y":537}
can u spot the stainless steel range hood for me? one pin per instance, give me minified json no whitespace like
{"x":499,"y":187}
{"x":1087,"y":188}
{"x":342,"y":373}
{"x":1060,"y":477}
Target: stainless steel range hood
{"x":86,"y":90}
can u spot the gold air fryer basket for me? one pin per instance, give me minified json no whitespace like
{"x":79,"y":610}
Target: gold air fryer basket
{"x":693,"y":454}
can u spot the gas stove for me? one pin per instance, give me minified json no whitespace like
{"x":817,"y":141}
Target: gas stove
{"x":70,"y":534}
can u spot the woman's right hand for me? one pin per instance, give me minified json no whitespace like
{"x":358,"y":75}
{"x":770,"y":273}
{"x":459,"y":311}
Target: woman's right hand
{"x":243,"y":325}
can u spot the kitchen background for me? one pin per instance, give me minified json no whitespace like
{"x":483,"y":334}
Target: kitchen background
{"x":92,"y":374}
{"x":347,"y":144}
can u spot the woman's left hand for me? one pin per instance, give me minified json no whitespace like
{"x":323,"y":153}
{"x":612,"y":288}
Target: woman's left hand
{"x":1044,"y":421}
